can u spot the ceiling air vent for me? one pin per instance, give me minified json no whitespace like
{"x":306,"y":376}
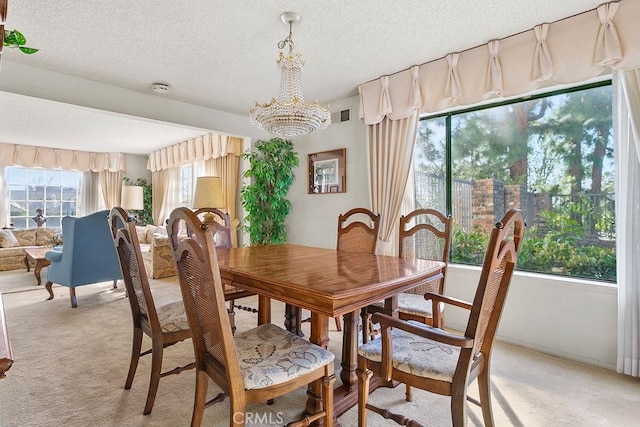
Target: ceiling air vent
{"x":340,"y":116}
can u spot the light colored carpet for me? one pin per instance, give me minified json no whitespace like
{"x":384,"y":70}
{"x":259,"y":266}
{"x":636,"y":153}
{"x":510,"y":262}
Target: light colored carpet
{"x":70,"y":367}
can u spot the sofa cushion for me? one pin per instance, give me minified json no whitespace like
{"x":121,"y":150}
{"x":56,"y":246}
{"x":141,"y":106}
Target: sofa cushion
{"x":152,"y":229}
{"x":142,"y":234}
{"x":8,"y":240}
{"x":17,"y":251}
{"x":45,"y":236}
{"x":26,"y":237}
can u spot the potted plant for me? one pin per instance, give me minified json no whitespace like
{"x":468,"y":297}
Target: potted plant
{"x":271,"y":174}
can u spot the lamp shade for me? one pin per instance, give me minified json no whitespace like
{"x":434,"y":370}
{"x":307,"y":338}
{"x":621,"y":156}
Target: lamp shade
{"x":132,"y":198}
{"x":208,"y":193}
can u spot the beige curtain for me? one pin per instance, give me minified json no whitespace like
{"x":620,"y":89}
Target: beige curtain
{"x":90,"y":196}
{"x":205,"y":147}
{"x":568,"y":51}
{"x":159,"y":193}
{"x":390,"y":145}
{"x":111,"y":185}
{"x":227,"y":168}
{"x":53,"y":158}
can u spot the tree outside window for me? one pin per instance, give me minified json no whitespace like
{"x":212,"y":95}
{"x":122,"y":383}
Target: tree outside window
{"x":551,"y":156}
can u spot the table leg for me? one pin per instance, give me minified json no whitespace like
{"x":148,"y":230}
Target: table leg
{"x":37,"y":269}
{"x":349,"y":352}
{"x":26,"y":263}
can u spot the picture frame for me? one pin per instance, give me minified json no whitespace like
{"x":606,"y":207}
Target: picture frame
{"x":327,"y":172}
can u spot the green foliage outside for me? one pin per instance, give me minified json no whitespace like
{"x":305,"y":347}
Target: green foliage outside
{"x":561,"y":250}
{"x":145,"y":217}
{"x":271,"y":174}
{"x":15,"y":40}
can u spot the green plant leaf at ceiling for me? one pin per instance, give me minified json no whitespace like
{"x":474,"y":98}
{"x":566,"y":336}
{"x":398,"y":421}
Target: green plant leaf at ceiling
{"x":15,"y":39}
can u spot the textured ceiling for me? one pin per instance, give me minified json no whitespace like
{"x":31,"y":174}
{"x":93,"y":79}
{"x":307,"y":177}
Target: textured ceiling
{"x":221,"y":54}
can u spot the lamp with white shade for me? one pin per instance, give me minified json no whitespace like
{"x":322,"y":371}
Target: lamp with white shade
{"x":208,"y":194}
{"x":132,"y":200}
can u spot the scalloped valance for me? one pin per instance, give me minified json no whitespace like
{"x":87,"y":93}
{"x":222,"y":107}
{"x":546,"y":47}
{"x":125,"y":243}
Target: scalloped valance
{"x":568,"y":51}
{"x":53,"y":158}
{"x":205,"y":147}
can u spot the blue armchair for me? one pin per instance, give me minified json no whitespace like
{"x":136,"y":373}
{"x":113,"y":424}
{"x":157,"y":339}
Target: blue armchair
{"x":87,"y":256}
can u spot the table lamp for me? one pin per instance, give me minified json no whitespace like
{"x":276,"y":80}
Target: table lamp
{"x":208,"y":194}
{"x":132,"y":199}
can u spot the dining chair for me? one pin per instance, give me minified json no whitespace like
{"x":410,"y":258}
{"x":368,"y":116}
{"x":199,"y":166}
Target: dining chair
{"x":259,"y":364}
{"x":425,"y":234}
{"x":439,"y":361}
{"x":358,"y":231}
{"x":161,"y":317}
{"x":219,"y":224}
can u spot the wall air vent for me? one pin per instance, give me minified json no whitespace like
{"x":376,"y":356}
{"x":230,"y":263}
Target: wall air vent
{"x":340,"y":116}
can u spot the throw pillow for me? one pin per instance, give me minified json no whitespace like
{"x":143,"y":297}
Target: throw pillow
{"x":7,"y":239}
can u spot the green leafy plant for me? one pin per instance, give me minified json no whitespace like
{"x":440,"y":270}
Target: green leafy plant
{"x":271,"y":173}
{"x":15,"y":40}
{"x":145,"y":216}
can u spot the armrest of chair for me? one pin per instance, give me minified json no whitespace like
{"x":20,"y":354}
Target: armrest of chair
{"x":424,"y":331}
{"x":438,"y":302}
{"x":436,"y":298}
{"x":53,"y":256}
{"x":416,"y":328}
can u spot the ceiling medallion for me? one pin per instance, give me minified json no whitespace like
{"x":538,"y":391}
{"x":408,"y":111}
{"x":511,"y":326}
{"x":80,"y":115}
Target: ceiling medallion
{"x":289,"y":115}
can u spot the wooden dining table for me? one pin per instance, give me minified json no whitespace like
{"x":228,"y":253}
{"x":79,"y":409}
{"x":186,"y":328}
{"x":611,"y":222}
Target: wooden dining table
{"x":328,"y":283}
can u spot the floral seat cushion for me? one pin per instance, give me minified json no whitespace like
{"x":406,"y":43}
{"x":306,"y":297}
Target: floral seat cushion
{"x":412,"y":304}
{"x":269,"y":355}
{"x":170,"y":308}
{"x":416,"y":355}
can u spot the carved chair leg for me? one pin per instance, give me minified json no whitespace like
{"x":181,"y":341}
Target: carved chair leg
{"x":156,"y":369}
{"x":484,"y":386}
{"x":364,"y":376}
{"x":135,"y":356}
{"x":202,"y":383}
{"x":338,"y":323}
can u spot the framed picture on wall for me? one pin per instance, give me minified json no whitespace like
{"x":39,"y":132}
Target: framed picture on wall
{"x":328,"y":172}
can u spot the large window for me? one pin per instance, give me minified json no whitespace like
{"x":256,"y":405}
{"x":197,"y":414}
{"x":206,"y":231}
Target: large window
{"x":54,"y":191}
{"x":549,"y":155}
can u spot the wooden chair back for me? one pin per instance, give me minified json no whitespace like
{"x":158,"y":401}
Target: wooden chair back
{"x":499,"y":262}
{"x":219,"y":223}
{"x":356,"y":234}
{"x":204,"y":300}
{"x":426,"y":234}
{"x":125,"y":238}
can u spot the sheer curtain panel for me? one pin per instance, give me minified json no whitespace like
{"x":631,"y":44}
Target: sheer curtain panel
{"x":627,"y":151}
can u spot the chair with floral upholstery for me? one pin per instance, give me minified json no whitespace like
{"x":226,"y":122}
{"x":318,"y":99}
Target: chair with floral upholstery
{"x":159,"y":313}
{"x":425,"y":234}
{"x":259,"y":364}
{"x":442,"y":362}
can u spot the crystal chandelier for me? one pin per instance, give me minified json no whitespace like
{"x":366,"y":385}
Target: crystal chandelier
{"x":289,"y":115}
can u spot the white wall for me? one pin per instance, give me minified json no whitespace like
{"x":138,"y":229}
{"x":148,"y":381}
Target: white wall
{"x":31,"y":81}
{"x":136,"y":167}
{"x":313,"y":220}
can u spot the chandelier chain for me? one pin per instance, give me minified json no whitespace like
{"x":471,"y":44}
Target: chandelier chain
{"x":287,"y":40}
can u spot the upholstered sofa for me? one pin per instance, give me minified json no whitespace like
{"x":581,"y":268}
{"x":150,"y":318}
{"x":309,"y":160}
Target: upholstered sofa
{"x":156,"y":251}
{"x":12,"y":250}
